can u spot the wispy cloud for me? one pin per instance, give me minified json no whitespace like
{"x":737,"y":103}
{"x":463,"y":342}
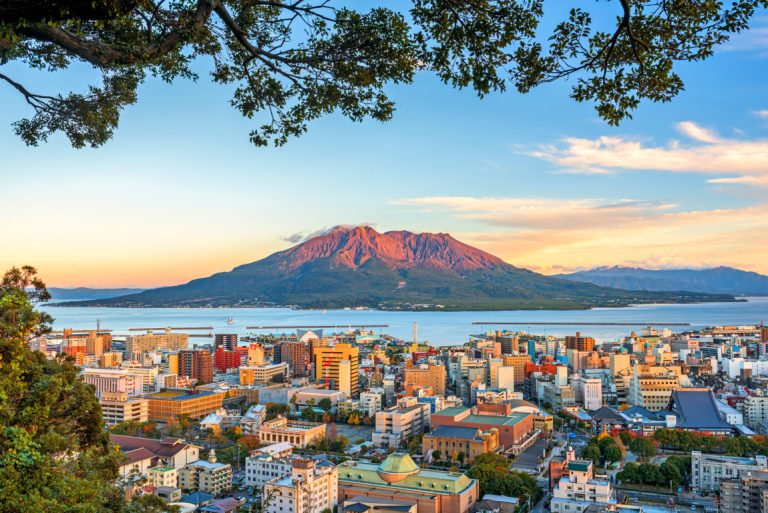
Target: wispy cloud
{"x":305,"y":235}
{"x":555,"y":235}
{"x":706,"y":152}
{"x":762,"y":114}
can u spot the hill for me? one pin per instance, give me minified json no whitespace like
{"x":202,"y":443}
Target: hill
{"x":719,"y":280}
{"x":85,"y":293}
{"x":349,"y":267}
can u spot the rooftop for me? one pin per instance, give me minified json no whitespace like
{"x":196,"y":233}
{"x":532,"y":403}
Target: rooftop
{"x":468,"y":433}
{"x":179,"y":394}
{"x":450,"y":412}
{"x":511,"y":420}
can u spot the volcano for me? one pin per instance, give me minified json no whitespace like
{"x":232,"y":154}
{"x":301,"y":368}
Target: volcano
{"x":360,"y":267}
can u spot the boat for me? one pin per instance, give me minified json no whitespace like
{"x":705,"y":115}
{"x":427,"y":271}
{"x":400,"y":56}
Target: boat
{"x":230,"y":321}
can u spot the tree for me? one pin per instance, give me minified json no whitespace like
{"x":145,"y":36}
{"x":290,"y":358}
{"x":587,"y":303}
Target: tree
{"x":275,"y":410}
{"x":612,"y":454}
{"x":625,"y":437}
{"x":643,"y":447}
{"x":55,"y":455}
{"x":324,"y":404}
{"x":591,"y":452}
{"x":436,"y":455}
{"x":292,"y":62}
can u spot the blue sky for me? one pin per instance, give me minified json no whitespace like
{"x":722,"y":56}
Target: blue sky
{"x":180,"y":192}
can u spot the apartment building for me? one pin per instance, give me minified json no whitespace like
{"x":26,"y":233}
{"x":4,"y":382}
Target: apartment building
{"x":168,"y":341}
{"x":372,"y":401}
{"x":268,"y":463}
{"x":206,"y":476}
{"x":518,"y":362}
{"x":579,"y":490}
{"x":311,"y":487}
{"x":394,"y":426}
{"x":746,"y":494}
{"x":270,"y":372}
{"x":579,"y":343}
{"x":296,"y":354}
{"x":755,"y":411}
{"x":196,"y":364}
{"x":226,"y":340}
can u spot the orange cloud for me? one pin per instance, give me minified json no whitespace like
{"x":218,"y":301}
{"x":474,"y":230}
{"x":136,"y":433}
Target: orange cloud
{"x":552,"y":235}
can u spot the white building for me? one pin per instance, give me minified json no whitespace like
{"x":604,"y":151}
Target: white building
{"x":268,"y":463}
{"x":309,"y":488}
{"x":206,"y":476}
{"x":579,"y":490}
{"x":113,"y":380}
{"x":119,"y":407}
{"x":506,"y":378}
{"x":589,"y":392}
{"x":372,"y":401}
{"x":707,"y":470}
{"x":394,"y":426}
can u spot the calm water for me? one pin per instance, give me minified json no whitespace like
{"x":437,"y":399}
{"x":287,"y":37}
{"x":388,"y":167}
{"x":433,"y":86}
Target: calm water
{"x":439,"y":328}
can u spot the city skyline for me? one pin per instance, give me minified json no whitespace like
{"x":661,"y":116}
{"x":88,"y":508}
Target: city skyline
{"x":535,"y":179}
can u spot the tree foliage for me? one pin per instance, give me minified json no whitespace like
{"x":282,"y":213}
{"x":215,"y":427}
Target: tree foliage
{"x":495,"y":477}
{"x":55,"y":455}
{"x":643,"y":447}
{"x":291,"y":62}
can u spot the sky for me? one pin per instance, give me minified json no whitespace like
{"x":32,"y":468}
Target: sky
{"x":535,"y":179}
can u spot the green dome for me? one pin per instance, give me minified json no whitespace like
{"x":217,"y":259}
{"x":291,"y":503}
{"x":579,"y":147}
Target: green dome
{"x":396,"y":467}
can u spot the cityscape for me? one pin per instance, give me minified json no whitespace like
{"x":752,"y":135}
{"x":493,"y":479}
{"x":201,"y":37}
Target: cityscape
{"x":404,"y":256}
{"x":304,"y":419}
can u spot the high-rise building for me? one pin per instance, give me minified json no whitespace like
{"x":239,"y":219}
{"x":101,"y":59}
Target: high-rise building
{"x":224,"y":359}
{"x":90,"y":342}
{"x":296,"y":355}
{"x":518,"y":362}
{"x":506,"y":378}
{"x":745,"y":494}
{"x":579,"y":343}
{"x":618,"y":363}
{"x":396,"y":425}
{"x":227,"y":340}
{"x":427,"y":375}
{"x":651,"y":387}
{"x":150,"y":341}
{"x":113,"y":380}
{"x":197,"y":364}
{"x":328,"y":365}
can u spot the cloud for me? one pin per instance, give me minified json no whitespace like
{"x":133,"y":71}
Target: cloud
{"x":304,"y":236}
{"x":762,"y":114}
{"x":556,"y":235}
{"x":706,"y":153}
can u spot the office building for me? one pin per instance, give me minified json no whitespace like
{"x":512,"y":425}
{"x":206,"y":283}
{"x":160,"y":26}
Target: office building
{"x":296,"y":432}
{"x":518,"y":362}
{"x":516,"y":431}
{"x":113,"y":380}
{"x":428,"y":375}
{"x":459,"y":444}
{"x":708,"y":470}
{"x":168,"y":404}
{"x":505,"y":378}
{"x":651,"y":387}
{"x":269,"y":373}
{"x":119,"y":407}
{"x":330,"y":369}
{"x":296,"y":355}
{"x":579,"y":343}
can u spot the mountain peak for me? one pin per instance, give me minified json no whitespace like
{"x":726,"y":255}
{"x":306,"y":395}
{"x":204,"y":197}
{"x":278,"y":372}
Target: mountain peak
{"x":354,"y":246}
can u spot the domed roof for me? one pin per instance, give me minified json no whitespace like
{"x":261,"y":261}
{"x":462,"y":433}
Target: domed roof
{"x":396,"y":467}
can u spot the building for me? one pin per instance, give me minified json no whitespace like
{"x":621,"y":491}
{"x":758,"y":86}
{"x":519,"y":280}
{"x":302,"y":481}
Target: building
{"x":196,"y":364}
{"x":296,"y":432}
{"x":329,"y":367}
{"x":428,"y":375}
{"x":163,"y":476}
{"x":119,"y":407}
{"x":169,"y":403}
{"x":90,"y":342}
{"x":168,"y":452}
{"x":268,"y":463}
{"x":271,"y":372}
{"x":296,"y":354}
{"x":206,"y":476}
{"x":224,"y":359}
{"x":746,"y":494}
{"x":755,"y":410}
{"x":150,"y":341}
{"x":651,"y":387}
{"x":696,"y":409}
{"x":516,"y":431}
{"x":579,"y":343}
{"x":148,"y":375}
{"x":313,"y":396}
{"x":588,"y":391}
{"x":505,"y":378}
{"x":398,"y":478}
{"x":226,"y":340}
{"x":372,"y":401}
{"x":310,"y":487}
{"x":518,"y":362}
{"x":579,"y":490}
{"x":394,"y":426}
{"x":366,"y":505}
{"x":461,"y":444}
{"x":708,"y":470}
{"x":113,"y":380}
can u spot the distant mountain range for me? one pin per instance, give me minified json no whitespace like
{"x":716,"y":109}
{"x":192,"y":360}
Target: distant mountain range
{"x":350,"y":267}
{"x":85,"y":293}
{"x":720,"y":280}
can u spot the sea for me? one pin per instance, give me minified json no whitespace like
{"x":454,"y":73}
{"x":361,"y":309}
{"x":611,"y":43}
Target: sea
{"x":437,"y":328}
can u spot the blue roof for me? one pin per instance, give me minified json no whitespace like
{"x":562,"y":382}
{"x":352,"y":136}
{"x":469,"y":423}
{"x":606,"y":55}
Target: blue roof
{"x":696,"y":409}
{"x":198,"y":498}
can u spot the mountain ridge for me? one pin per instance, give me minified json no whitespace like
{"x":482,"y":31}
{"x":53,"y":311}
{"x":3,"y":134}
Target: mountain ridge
{"x":715,"y":280}
{"x":358,"y":266}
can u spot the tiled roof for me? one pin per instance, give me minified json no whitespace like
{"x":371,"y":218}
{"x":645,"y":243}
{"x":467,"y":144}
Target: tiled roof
{"x":139,"y":454}
{"x":167,"y":447}
{"x":468,"y":433}
{"x":696,"y":408}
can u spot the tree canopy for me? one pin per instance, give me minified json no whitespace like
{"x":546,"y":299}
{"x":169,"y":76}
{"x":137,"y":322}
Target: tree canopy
{"x":55,"y":455}
{"x":290,"y":62}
